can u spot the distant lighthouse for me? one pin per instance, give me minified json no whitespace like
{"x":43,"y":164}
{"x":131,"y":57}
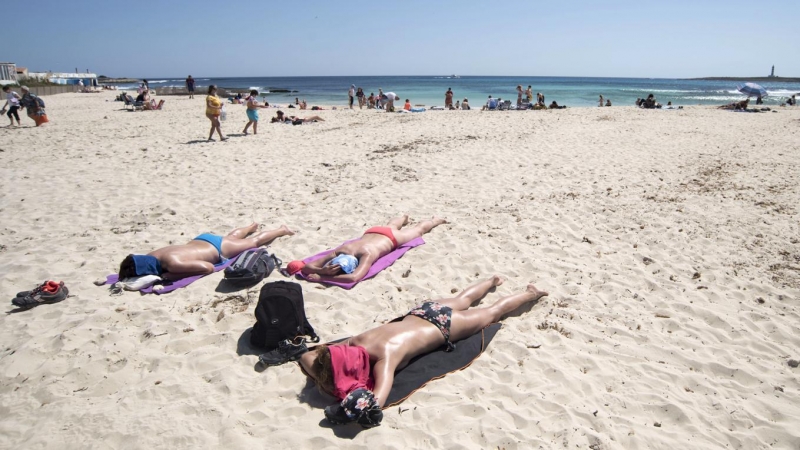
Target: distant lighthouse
{"x":772,"y":74}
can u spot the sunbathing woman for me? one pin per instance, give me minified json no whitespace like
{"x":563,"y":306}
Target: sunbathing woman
{"x":360,"y":370}
{"x":280,"y":117}
{"x":351,"y":261}
{"x":198,"y":256}
{"x":736,"y":106}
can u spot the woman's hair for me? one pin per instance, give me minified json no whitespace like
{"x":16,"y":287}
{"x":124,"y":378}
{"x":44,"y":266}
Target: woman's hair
{"x":6,"y":87}
{"x":323,"y":369}
{"x":211,"y":88}
{"x":253,"y":92}
{"x":127,"y":268}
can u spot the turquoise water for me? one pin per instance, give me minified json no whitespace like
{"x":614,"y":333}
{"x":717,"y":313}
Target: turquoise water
{"x":429,"y":90}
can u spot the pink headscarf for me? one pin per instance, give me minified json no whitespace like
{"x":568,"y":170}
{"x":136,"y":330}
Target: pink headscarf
{"x":351,"y":369}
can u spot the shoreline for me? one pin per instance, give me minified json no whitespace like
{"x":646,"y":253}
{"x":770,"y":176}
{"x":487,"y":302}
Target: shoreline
{"x":762,"y":79}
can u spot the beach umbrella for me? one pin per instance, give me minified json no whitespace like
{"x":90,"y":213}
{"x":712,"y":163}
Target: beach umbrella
{"x":752,"y":90}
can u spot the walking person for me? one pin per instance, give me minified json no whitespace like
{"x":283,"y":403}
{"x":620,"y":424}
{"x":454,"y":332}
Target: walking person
{"x":213,"y":111}
{"x":190,"y":86}
{"x":252,"y":111}
{"x":352,"y":94}
{"x":34,"y":106}
{"x":600,"y":102}
{"x":519,"y":95}
{"x":448,"y":99}
{"x":361,"y":99}
{"x":12,"y":103}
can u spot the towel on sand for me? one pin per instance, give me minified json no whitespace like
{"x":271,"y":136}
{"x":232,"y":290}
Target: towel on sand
{"x":437,"y":364}
{"x":169,"y":286}
{"x":382,"y":263}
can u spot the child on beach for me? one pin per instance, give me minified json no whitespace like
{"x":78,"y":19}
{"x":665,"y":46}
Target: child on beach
{"x":252,"y":111}
{"x":407,"y":106}
{"x":12,"y":103}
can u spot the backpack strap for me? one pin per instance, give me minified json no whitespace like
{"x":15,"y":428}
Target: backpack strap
{"x":310,"y":331}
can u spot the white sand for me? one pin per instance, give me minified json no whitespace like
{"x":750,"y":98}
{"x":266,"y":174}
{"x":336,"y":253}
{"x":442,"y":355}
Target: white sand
{"x":573,"y":200}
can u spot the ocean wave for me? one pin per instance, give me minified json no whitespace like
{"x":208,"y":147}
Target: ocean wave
{"x":783,"y":92}
{"x":663,"y":91}
{"x":159,"y":81}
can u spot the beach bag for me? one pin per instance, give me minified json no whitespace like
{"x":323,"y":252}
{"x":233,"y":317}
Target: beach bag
{"x":251,"y":267}
{"x":39,"y":119}
{"x":280,"y":314}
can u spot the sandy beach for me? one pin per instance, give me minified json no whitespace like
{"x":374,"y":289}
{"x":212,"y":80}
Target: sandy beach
{"x":669,"y":242}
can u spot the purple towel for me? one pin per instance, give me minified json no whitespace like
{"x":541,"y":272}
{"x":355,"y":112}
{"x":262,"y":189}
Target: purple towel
{"x":382,"y":262}
{"x":169,"y":286}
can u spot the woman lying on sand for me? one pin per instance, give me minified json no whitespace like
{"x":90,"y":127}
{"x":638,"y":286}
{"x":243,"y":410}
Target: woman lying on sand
{"x":360,"y":371}
{"x":351,"y":261}
{"x":736,"y":106}
{"x":280,"y":117}
{"x":198,"y":256}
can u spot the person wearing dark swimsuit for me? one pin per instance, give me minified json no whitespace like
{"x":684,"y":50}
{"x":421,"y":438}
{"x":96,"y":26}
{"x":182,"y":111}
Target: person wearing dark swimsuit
{"x":351,"y":261}
{"x":198,"y":256}
{"x":360,"y":371}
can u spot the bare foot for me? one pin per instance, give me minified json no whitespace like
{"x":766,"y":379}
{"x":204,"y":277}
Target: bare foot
{"x":286,"y":231}
{"x":252,"y":228}
{"x":537,"y":294}
{"x":405,"y":220}
{"x":438,"y":221}
{"x":497,"y":280}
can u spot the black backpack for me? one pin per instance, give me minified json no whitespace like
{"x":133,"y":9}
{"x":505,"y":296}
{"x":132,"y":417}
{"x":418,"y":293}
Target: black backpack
{"x":251,"y":267}
{"x":280,"y":314}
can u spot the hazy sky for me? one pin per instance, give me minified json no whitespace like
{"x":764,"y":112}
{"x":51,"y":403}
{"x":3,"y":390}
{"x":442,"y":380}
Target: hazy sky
{"x":620,"y":38}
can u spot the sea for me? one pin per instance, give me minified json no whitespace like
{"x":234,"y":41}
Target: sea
{"x":430,"y":90}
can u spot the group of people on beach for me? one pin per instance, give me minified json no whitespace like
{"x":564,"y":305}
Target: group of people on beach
{"x":358,"y":372}
{"x":34,"y":106}
{"x":215,"y":110}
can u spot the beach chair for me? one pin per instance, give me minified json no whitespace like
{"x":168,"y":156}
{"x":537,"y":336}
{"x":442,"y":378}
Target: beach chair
{"x":505,"y":106}
{"x":491,"y":105}
{"x":129,"y":102}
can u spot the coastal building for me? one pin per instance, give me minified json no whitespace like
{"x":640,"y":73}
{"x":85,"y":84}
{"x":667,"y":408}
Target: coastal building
{"x":8,"y":73}
{"x":89,"y":79}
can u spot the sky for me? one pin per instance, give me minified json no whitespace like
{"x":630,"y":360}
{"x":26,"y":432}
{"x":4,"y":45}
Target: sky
{"x":237,"y":38}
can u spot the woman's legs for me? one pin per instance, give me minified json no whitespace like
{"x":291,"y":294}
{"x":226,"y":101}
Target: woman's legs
{"x":218,"y":126}
{"x":248,"y":126}
{"x":243,"y":232}
{"x":409,"y":234}
{"x":399,"y":222}
{"x":12,"y":111}
{"x":465,"y":323}
{"x":232,"y":245}
{"x":215,"y":125}
{"x":472,"y":294}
